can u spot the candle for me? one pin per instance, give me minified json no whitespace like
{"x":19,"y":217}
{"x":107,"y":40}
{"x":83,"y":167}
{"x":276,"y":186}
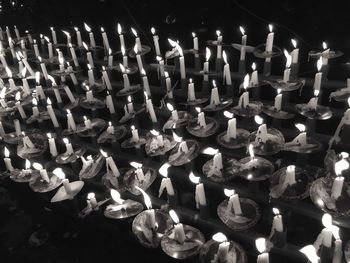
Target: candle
{"x":224,"y":247}
{"x":168,"y":85}
{"x":106,"y":78}
{"x":318,"y":75}
{"x":25,"y":62}
{"x":243,"y":43}
{"x":110,"y":164}
{"x":195,"y":42}
{"x":54,"y":37}
{"x":145,"y":83}
{"x":150,"y":109}
{"x":159,"y":138}
{"x":126,"y":81}
{"x":89,"y":95}
{"x":135,"y":134}
{"x":219,"y":44}
{"x":73,"y":54}
{"x":206,"y":64}
{"x":11,"y":82}
{"x":87,"y":123}
{"x":19,"y":106}
{"x":38,"y":88}
{"x":137,"y":41}
{"x":166,"y":181}
{"x":327,"y":233}
{"x":55,"y":89}
{"x":277,"y":224}
{"x":261,"y":246}
{"x":191,"y":92}
{"x":2,"y":131}
{"x":201,"y":118}
{"x":227,"y":71}
{"x":261,"y":135}
{"x":36,"y":49}
{"x":110,"y":58}
{"x":161,"y":65}
{"x":269,"y":42}
{"x":231,"y":125}
{"x":91,"y":36}
{"x":179,"y":233}
{"x":52,"y":145}
{"x":69,"y":39}
{"x":17,"y":127}
{"x":35,"y":108}
{"x":278,"y":100}
{"x":91,"y":75}
{"x":7,"y":160}
{"x":92,"y":201}
{"x":105,"y":39}
{"x":217,"y":162}
{"x":43,"y":172}
{"x":199,"y":193}
{"x":89,"y":55}
{"x":214,"y":98}
{"x":2,"y":98}
{"x":295,"y":52}
{"x":18,"y":36}
{"x":121,"y":36}
{"x":174,"y":114}
{"x":42,"y":40}
{"x":109,"y":103}
{"x":290,"y":175}
{"x":314,"y":101}
{"x":254,"y":79}
{"x":69,"y":147}
{"x":338,"y":182}
{"x":338,"y":251}
{"x":233,"y":202}
{"x":286,"y":73}
{"x":3,"y":58}
{"x":110,"y":128}
{"x":70,"y":120}
{"x":130,"y":106}
{"x":49,"y":47}
{"x":27,"y":143}
{"x":72,"y":74}
{"x":311,"y":253}
{"x":77,"y":32}
{"x":325,"y":53}
{"x":155,"y":41}
{"x":151,"y":217}
{"x":138,"y":58}
{"x":52,"y":113}
{"x":69,"y":93}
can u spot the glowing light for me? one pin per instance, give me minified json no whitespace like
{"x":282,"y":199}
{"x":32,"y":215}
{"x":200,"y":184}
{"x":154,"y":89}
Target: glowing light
{"x":229,"y":192}
{"x":300,"y":127}
{"x":174,"y":216}
{"x":260,"y":244}
{"x":228,"y":114}
{"x":258,"y":119}
{"x":194,"y":179}
{"x":219,"y":237}
{"x":242,"y":30}
{"x":87,"y":28}
{"x":163,"y":170}
{"x":207,"y":54}
{"x":59,"y":173}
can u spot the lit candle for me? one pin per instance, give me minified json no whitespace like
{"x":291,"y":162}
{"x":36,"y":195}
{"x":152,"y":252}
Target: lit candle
{"x":2,"y":57}
{"x":269,"y":42}
{"x":278,"y":100}
{"x":158,"y":137}
{"x":54,"y":37}
{"x":121,"y":36}
{"x":2,"y":98}
{"x":290,"y":175}
{"x":174,"y":114}
{"x":135,"y":134}
{"x":201,"y":118}
{"x":25,"y":84}
{"x":243,"y":43}
{"x":138,"y":59}
{"x":52,"y":145}
{"x":105,"y":39}
{"x":338,"y":182}
{"x":69,"y":39}
{"x":295,"y":52}
{"x":125,"y":58}
{"x":74,"y":55}
{"x":301,"y":138}
{"x":261,"y":135}
{"x":66,"y":185}
{"x":277,"y":224}
{"x":137,"y":42}
{"x":2,"y":131}
{"x":161,"y":65}
{"x":89,"y":56}
{"x":110,"y":58}
{"x":55,"y":89}
{"x":261,"y":246}
{"x":86,"y":162}
{"x":106,"y":78}
{"x":38,"y":88}
{"x":168,"y":85}
{"x":27,"y":143}
{"x":314,"y":101}
{"x":91,"y":198}
{"x":35,"y":108}
{"x":87,"y":123}
{"x":227,"y":71}
{"x":109,"y":103}
{"x":219,"y":44}
{"x":327,"y":233}
{"x":10,"y":80}
{"x":233,"y":202}
{"x":325,"y":53}
{"x":69,"y":147}
{"x":42,"y":171}
{"x":191,"y":95}
{"x":224,"y":247}
{"x":72,"y":74}
{"x":206,"y":64}
{"x":145,"y":83}
{"x":110,"y":164}
{"x":217,"y":162}
{"x":199,"y":193}
{"x":318,"y":75}
{"x":151,"y":217}
{"x":77,"y":32}
{"x":126,"y":81}
{"x":166,"y":181}
{"x":42,"y":40}
{"x":231,"y":125}
{"x":286,"y":73}
{"x":110,"y":128}
{"x":89,"y":95}
{"x":311,"y":253}
{"x":36,"y":49}
{"x":52,"y":113}
{"x":155,"y":41}
{"x":91,"y":35}
{"x":130,"y":106}
{"x":17,"y":127}
{"x":254,"y":79}
{"x":91,"y":75}
{"x":19,"y":106}
{"x":49,"y":47}
{"x":195,"y":42}
{"x":70,"y":120}
{"x":150,"y":109}
{"x":214,"y":98}
{"x":179,"y":233}
{"x":338,"y":248}
{"x":18,"y":36}
{"x":25,"y":62}
{"x":7,"y":160}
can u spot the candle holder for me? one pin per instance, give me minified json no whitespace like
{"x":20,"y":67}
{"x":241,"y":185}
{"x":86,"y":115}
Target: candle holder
{"x":290,"y":85}
{"x":195,"y":129}
{"x":191,"y":246}
{"x":61,"y":194}
{"x":23,"y":176}
{"x":250,"y":214}
{"x":41,"y":186}
{"x":320,"y":193}
{"x":40,"y":145}
{"x":170,"y":54}
{"x":311,"y":146}
{"x":144,"y":50}
{"x":318,"y":113}
{"x":253,"y":108}
{"x":235,"y":253}
{"x":274,"y":142}
{"x":97,"y":126}
{"x":107,"y":137}
{"x":231,"y":168}
{"x":128,"y":91}
{"x":92,"y":104}
{"x":183,"y":117}
{"x":260,"y":51}
{"x":98,"y":86}
{"x":316,"y":54}
{"x":65,"y":158}
{"x":128,"y":116}
{"x":13,"y":138}
{"x":147,"y":236}
{"x":178,"y":157}
{"x":194,"y":102}
{"x":88,"y":209}
{"x":297,"y":191}
{"x":60,"y":72}
{"x":248,"y":49}
{"x":255,"y":169}
{"x":43,"y":116}
{"x":129,"y":208}
{"x":113,"y":182}
{"x":129,"y":70}
{"x":240,"y":141}
{"x":130,"y":143}
{"x":92,"y":169}
{"x":223,"y":105}
{"x":340,"y":95}
{"x":131,"y":180}
{"x":277,"y":114}
{"x":216,"y":43}
{"x":152,"y":149}
{"x":71,"y":105}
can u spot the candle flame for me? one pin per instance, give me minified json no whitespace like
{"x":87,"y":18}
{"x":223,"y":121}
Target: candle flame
{"x":242,"y":30}
{"x":224,"y":56}
{"x":110,"y":51}
{"x":344,"y":155}
{"x":228,"y":114}
{"x":116,"y":196}
{"x":260,"y":244}
{"x":6,"y":152}
{"x":129,"y":99}
{"x":154,"y":132}
{"x":146,"y":198}
{"x":18,"y":96}
{"x":85,"y":46}
{"x":258,"y":119}
{"x":349,"y":101}
{"x":253,"y":66}
{"x":59,"y":173}
{"x":180,"y":50}
{"x":163,"y":170}
{"x":119,"y":29}
{"x":51,"y":28}
{"x":229,"y":192}
{"x":27,"y":164}
{"x":132,"y":127}
{"x":192,"y":81}
{"x":65,"y":140}
{"x":166,"y":74}
{"x":340,"y":166}
{"x":198,"y":109}
{"x":37,"y":166}
{"x":34,"y":102}
{"x":319,"y":63}
{"x":66,"y":33}
{"x":294,"y":42}
{"x":143,"y":72}
{"x":270,"y":28}
{"x":153,"y":30}
{"x":218,"y":33}
{"x":76,"y":29}
{"x":122,"y":68}
{"x":194,"y":179}
{"x":176,"y":137}
{"x":316,"y":92}
{"x":104,"y":69}
{"x":102,"y":29}
{"x":210,"y":151}
{"x":172,"y":42}
{"x":327,"y":220}
{"x":48,"y":101}
{"x":193,"y":34}
{"x":104,"y":154}
{"x":219,"y":237}
{"x":174,"y":216}
{"x":90,"y":196}
{"x":246,"y":81}
{"x":300,"y":127}
{"x":251,"y":151}
{"x":159,"y":58}
{"x":279,"y":91}
{"x":136,"y":165}
{"x":134,"y":32}
{"x":288,"y":57}
{"x":49,"y":135}
{"x":145,"y":94}
{"x":324,"y":45}
{"x":291,"y":168}
{"x":311,"y":253}
{"x":39,"y":58}
{"x":89,"y":66}
{"x":214,"y":83}
{"x":169,"y":106}
{"x":87,"y":28}
{"x":47,"y":39}
{"x":207,"y":54}
{"x":276,"y":211}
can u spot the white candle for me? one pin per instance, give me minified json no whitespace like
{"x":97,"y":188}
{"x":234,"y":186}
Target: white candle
{"x":277,"y":223}
{"x":19,"y":106}
{"x":295,"y":52}
{"x":91,"y":76}
{"x":214,"y":98}
{"x":161,"y":66}
{"x":69,"y":147}
{"x":183,"y":147}
{"x":232,"y":128}
{"x":179,"y":233}
{"x":135,"y":134}
{"x":110,"y":128}
{"x":69,"y":39}
{"x":27,"y":143}
{"x":217,"y":161}
{"x":254,"y":79}
{"x":262,"y":133}
{"x":106,"y":78}
{"x":223,"y":250}
{"x":269,"y":40}
{"x":139,"y":62}
{"x":52,"y":113}
{"x":200,"y":195}
{"x":278,"y":102}
{"x":87,"y":123}
{"x":168,"y":85}
{"x":105,"y":39}
{"x":290,"y":175}
{"x":137,"y":41}
{"x":109,"y":103}
{"x":168,"y":186}
{"x":227,"y":71}
{"x":325,"y":54}
{"x":191,"y":92}
{"x":71,"y":123}
{"x":337,"y":187}
{"x":219,"y":45}
{"x":2,"y":131}
{"x":201,"y":120}
{"x":74,"y":56}
{"x":318,"y":76}
{"x":121,"y":36}
{"x":35,"y":109}
{"x":261,"y":246}
{"x":155,"y":41}
{"x":338,"y":251}
{"x":77,"y":32}
{"x":233,"y":202}
{"x":195,"y":42}
{"x":110,"y":58}
{"x":92,"y":200}
{"x":243,"y":43}
{"x":89,"y":95}
{"x":54,"y":37}
{"x":36,"y":49}
{"x":91,"y":35}
{"x":145,"y":83}
{"x":90,"y":59}
{"x":17,"y":127}
{"x":150,"y":109}
{"x":18,"y":36}
{"x":52,"y":145}
{"x":7,"y":160}
{"x":206,"y":64}
{"x":130,"y":106}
